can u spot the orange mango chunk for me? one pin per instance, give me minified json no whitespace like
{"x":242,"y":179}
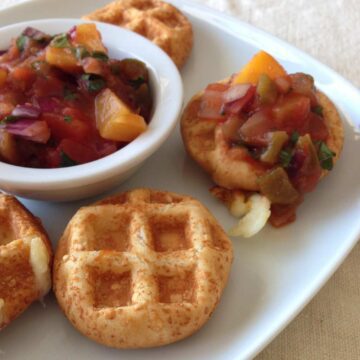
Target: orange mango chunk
{"x":62,"y":58}
{"x":8,"y":147}
{"x":88,"y":36}
{"x":115,"y":120}
{"x":261,"y":63}
{"x":3,"y":77}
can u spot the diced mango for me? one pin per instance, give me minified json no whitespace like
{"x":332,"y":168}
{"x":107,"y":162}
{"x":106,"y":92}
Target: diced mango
{"x":261,"y":63}
{"x":88,"y":36}
{"x":115,"y":120}
{"x":62,"y":58}
{"x":3,"y":77}
{"x":8,"y":150}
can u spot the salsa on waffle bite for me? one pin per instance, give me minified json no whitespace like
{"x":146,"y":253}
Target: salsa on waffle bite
{"x":141,"y":269}
{"x":266,"y":131}
{"x":25,"y":259}
{"x":64,"y":101}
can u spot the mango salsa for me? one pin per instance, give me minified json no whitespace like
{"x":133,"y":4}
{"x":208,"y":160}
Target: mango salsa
{"x":115,"y":120}
{"x":261,"y":63}
{"x":62,"y":58}
{"x":88,"y":36}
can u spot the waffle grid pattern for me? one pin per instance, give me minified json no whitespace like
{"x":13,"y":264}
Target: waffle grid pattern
{"x":155,"y":268}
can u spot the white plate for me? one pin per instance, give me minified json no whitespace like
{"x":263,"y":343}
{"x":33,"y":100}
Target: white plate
{"x":274,"y":274}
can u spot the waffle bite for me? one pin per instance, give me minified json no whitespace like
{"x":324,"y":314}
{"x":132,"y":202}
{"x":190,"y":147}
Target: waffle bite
{"x":160,"y":22}
{"x":25,"y":259}
{"x":263,"y":130}
{"x":141,"y":269}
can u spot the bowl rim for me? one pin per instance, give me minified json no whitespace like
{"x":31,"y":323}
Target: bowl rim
{"x":168,"y":99}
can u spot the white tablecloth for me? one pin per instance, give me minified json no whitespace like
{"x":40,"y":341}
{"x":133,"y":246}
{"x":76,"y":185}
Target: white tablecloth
{"x":329,"y":327}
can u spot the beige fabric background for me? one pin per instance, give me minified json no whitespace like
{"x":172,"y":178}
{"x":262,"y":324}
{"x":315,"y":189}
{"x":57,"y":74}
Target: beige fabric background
{"x":329,"y":327}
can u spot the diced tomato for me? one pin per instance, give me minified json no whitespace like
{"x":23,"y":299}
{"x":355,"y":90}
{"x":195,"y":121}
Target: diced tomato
{"x":282,"y":215}
{"x":254,"y":131}
{"x":75,"y":113}
{"x":22,"y":77}
{"x":53,"y":158}
{"x":291,"y":113}
{"x":78,"y":152}
{"x":304,"y":170}
{"x":49,"y":86}
{"x":304,"y":84}
{"x":317,"y":128}
{"x":92,"y":66}
{"x":62,"y":128}
{"x":12,"y":53}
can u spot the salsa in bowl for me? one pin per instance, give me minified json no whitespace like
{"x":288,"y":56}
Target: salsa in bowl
{"x":64,"y":102}
{"x":75,"y":93}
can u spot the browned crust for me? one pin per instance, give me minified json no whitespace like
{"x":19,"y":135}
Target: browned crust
{"x":17,"y":284}
{"x":145,"y":321}
{"x":160,"y":22}
{"x":201,"y":144}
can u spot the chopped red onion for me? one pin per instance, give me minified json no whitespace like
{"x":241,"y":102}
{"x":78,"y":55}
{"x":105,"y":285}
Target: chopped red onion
{"x":211,"y":105}
{"x":236,"y":92}
{"x":106,"y":148}
{"x":35,"y":34}
{"x":33,"y":130}
{"x":2,"y":52}
{"x":72,"y":32}
{"x":26,"y":111}
{"x":240,"y":104}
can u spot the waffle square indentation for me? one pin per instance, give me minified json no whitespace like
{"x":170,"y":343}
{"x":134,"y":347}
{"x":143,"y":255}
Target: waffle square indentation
{"x":177,"y":289}
{"x":169,"y":233}
{"x":111,"y":289}
{"x":111,"y":231}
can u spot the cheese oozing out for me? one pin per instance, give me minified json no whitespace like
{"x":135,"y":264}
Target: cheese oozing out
{"x":253,"y":214}
{"x":39,"y":260}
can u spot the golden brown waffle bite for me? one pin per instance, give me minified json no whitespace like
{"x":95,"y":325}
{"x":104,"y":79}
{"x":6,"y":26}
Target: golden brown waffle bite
{"x":206,"y":144}
{"x":141,"y":269}
{"x":25,"y":259}
{"x":156,"y":20}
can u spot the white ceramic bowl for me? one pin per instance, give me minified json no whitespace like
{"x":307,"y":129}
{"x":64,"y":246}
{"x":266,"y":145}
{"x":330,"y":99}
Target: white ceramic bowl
{"x":89,"y":179}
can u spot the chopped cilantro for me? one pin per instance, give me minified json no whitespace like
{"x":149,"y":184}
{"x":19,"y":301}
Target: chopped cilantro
{"x":318,"y":110}
{"x":69,"y":94}
{"x":21,"y":42}
{"x":81,"y":53}
{"x":100,"y":56}
{"x":93,"y":82}
{"x":66,"y":161}
{"x":60,"y":41}
{"x":68,"y":118}
{"x":9,"y":119}
{"x":285,"y":158}
{"x":294,"y":137}
{"x":37,"y":64}
{"x":325,"y":156}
